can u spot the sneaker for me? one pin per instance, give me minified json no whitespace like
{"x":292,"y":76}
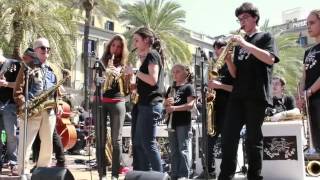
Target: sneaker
{"x":14,"y":170}
{"x":60,"y":164}
{"x":32,"y":169}
{"x":114,"y":178}
{"x":211,"y":175}
{"x":124,"y":170}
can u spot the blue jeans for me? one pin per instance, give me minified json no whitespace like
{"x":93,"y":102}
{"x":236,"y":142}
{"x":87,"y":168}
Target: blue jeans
{"x":181,"y":151}
{"x":8,"y":118}
{"x":146,"y":154}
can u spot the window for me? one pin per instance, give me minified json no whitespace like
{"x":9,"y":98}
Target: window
{"x":91,"y":46}
{"x":109,"y":25}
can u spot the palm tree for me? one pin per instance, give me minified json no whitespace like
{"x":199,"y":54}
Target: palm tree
{"x":107,"y":8}
{"x":164,"y":18}
{"x":26,"y":20}
{"x":290,"y":65}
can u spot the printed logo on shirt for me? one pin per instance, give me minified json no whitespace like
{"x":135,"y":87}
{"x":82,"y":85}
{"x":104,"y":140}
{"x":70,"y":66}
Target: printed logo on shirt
{"x":243,"y":54}
{"x":177,"y":98}
{"x":12,"y":68}
{"x":311,"y":60}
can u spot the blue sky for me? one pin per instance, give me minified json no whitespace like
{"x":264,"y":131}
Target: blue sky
{"x":215,"y":17}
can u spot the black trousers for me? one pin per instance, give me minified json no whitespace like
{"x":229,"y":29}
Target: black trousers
{"x":57,"y":148}
{"x":243,"y":112}
{"x":314,"y":113}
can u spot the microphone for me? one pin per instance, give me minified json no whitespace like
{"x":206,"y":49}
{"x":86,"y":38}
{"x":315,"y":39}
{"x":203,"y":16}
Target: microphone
{"x":98,"y":65}
{"x":202,"y":54}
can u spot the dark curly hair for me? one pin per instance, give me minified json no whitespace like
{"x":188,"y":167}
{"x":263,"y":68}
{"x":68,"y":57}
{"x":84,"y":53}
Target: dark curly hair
{"x":219,"y":43}
{"x":249,"y":8}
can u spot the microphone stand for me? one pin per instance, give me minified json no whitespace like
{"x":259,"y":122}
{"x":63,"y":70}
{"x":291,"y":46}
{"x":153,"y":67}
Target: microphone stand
{"x":25,"y":121}
{"x":204,"y":117}
{"x":100,"y":126}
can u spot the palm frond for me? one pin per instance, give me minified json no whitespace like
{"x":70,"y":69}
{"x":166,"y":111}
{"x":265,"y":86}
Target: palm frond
{"x":164,"y":18}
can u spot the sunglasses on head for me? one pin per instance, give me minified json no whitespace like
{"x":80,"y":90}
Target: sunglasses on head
{"x":43,"y":48}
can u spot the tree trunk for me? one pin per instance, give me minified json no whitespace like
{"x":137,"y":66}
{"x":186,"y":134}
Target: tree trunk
{"x":17,"y":37}
{"x":88,"y":6}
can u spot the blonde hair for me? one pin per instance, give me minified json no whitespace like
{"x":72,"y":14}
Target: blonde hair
{"x":125,"y":52}
{"x":316,"y":12}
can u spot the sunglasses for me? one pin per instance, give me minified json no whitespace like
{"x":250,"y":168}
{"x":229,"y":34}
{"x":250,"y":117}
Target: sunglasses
{"x":43,"y":48}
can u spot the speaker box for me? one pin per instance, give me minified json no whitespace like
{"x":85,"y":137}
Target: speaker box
{"x":146,"y":175}
{"x":52,"y":173}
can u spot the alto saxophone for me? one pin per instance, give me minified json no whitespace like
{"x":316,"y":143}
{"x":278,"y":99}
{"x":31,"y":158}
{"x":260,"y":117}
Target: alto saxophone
{"x":112,"y":76}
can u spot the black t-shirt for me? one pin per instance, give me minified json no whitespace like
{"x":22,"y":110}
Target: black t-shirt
{"x":253,"y":78}
{"x":283,"y":104}
{"x":222,"y":96}
{"x":11,"y":73}
{"x":312,"y":66}
{"x":148,"y":93}
{"x":182,"y":93}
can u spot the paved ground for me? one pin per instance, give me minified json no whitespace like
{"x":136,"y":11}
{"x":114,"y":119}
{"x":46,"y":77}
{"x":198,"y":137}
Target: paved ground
{"x":82,"y":171}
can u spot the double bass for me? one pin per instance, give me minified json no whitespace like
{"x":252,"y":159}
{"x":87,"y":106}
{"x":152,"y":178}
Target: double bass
{"x":65,"y":128}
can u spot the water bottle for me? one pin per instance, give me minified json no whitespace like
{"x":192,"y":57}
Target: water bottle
{"x":3,"y":137}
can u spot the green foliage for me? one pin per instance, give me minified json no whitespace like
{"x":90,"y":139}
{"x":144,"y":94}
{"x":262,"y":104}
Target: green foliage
{"x":291,"y":57}
{"x":26,"y":20}
{"x":164,"y":18}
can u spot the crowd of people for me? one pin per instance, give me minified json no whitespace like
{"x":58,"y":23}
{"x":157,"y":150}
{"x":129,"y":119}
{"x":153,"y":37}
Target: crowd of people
{"x":246,"y":92}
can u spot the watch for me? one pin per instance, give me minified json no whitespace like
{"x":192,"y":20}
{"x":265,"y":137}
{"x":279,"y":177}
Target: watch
{"x":309,"y":91}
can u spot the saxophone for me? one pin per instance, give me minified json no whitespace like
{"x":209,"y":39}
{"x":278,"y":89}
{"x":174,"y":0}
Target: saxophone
{"x":214,"y":75}
{"x":40,"y":103}
{"x":111,"y":76}
{"x":211,"y":128}
{"x":108,"y":150}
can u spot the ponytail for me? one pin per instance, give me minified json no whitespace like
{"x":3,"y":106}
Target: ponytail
{"x":154,"y":41}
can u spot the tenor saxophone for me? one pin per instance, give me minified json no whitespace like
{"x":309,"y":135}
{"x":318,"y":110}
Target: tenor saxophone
{"x":41,"y":102}
{"x":214,"y":75}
